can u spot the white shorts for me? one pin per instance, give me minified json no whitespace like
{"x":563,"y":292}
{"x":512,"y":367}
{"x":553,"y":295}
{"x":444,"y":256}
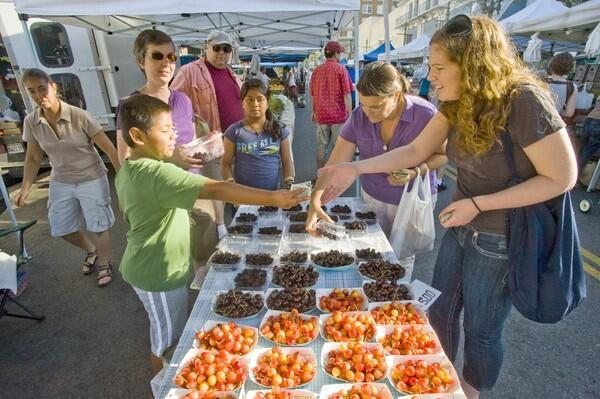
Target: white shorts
{"x":73,"y":206}
{"x":167,"y":311}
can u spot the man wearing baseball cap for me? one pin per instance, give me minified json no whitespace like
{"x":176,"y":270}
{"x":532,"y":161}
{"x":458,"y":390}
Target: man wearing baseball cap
{"x":330,"y":88}
{"x":214,"y":90}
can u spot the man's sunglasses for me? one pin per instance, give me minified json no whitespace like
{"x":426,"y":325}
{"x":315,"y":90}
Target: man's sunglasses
{"x":158,"y":56}
{"x":225,"y":47}
{"x":458,"y":26}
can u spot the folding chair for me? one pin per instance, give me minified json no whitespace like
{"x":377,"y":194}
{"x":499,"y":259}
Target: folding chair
{"x":19,"y":229}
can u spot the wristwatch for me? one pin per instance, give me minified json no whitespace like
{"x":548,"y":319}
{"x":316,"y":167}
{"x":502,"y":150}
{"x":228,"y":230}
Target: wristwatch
{"x":289,"y":181}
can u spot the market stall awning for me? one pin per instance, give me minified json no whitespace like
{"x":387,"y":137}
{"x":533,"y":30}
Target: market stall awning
{"x":537,"y":9}
{"x":259,"y":24}
{"x":574,"y":23}
{"x":276,"y":57}
{"x":548,"y":45}
{"x":373,"y":54}
{"x":418,"y":48}
{"x":157,"y":7}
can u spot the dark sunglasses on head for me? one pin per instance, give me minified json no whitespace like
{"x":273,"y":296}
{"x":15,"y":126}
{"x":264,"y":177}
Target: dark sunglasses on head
{"x":225,"y":47}
{"x":458,"y":26}
{"x":158,"y":56}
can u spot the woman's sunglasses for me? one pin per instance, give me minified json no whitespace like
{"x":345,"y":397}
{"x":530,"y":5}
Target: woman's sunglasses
{"x":458,"y":26}
{"x":158,"y":56}
{"x":225,"y":47}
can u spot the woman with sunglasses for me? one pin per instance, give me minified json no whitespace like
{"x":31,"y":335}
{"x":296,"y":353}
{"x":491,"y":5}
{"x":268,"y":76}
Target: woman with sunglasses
{"x":154,"y":52}
{"x":484,"y":91}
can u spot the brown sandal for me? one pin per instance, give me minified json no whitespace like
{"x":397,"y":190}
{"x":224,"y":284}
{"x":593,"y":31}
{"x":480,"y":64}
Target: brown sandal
{"x":104,"y":271}
{"x":88,"y":266}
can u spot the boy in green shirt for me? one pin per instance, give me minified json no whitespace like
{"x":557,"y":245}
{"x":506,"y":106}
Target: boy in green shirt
{"x":155,"y":197}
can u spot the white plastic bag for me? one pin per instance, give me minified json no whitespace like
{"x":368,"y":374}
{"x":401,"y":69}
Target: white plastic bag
{"x":413,"y":231}
{"x":584,"y":98}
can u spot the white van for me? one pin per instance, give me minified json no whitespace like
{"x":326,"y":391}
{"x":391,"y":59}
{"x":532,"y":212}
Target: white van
{"x":92,"y":69}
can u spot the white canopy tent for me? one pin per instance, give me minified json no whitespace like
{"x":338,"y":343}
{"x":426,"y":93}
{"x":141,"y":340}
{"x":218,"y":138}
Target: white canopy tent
{"x":154,"y":7}
{"x":418,"y":48}
{"x":574,"y":23}
{"x":257,"y":24}
{"x":261,"y":26}
{"x":538,"y":9}
{"x":592,"y":47}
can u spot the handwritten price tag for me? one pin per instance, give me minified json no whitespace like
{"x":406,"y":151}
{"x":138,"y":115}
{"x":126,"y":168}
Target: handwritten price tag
{"x":424,"y":294}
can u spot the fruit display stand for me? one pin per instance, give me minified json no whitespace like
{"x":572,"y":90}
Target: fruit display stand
{"x":219,"y":279}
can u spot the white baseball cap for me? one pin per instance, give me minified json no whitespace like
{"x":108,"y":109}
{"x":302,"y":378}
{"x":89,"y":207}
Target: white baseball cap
{"x":219,"y":37}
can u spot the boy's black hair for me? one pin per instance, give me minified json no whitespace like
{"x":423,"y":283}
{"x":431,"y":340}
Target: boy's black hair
{"x":139,"y":111}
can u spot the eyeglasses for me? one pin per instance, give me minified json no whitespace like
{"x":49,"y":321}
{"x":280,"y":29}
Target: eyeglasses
{"x":158,"y":56}
{"x":225,"y":47}
{"x":458,"y":26}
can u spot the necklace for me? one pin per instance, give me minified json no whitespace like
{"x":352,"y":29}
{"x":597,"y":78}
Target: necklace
{"x":400,"y":109}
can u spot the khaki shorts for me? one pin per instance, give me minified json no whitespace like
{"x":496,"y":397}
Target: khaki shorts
{"x":73,"y":206}
{"x":327,"y":134}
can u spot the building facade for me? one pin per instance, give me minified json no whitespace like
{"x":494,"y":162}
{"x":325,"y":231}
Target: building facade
{"x":408,"y":19}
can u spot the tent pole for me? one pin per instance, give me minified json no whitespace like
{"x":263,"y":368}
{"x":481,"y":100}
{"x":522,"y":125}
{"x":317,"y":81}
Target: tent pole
{"x":356,"y":48}
{"x":386,"y":25}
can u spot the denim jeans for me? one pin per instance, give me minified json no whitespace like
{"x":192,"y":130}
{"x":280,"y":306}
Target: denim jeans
{"x":470,"y":272}
{"x":590,"y":141}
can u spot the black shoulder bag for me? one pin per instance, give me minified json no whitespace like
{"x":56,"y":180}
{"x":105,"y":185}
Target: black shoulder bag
{"x":546,"y":279}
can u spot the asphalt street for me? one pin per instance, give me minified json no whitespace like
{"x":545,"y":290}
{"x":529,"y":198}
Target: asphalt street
{"x":94,"y":342}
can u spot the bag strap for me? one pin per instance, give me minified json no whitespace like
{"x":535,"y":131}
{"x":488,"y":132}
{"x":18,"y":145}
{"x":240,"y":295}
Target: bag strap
{"x":514,"y":180}
{"x":570,"y":90}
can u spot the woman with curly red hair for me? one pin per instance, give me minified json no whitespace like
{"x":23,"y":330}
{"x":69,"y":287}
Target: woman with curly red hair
{"x":485,"y":91}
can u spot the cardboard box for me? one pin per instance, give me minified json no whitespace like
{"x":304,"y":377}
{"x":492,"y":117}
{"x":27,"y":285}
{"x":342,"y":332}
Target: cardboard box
{"x":8,"y":125}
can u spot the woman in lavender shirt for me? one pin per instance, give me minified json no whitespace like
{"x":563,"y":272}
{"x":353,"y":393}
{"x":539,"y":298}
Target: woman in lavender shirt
{"x":154,"y":52}
{"x":387,"y":118}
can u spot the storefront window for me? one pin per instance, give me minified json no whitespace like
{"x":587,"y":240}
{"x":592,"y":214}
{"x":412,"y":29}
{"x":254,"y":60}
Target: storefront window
{"x":69,"y":89}
{"x":52,"y":44}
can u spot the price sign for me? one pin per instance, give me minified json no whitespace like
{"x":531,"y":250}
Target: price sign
{"x":15,"y":148}
{"x":424,"y":294}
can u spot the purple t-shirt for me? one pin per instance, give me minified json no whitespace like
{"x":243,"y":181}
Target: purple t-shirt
{"x":367,"y":137}
{"x":228,"y":96}
{"x":181,"y":112}
{"x":257,"y":156}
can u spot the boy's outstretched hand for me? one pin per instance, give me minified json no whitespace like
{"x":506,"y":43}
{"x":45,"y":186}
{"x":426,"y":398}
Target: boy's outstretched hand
{"x":288,"y":198}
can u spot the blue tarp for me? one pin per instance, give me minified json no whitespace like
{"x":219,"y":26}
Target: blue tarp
{"x":277,"y":64}
{"x":372,"y":55}
{"x":281,"y":57}
{"x":549,"y":46}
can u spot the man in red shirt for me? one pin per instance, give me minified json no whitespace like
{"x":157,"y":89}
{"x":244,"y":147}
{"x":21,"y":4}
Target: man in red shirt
{"x":214,"y":90}
{"x":330,"y":88}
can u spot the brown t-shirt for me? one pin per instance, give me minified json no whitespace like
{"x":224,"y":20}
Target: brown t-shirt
{"x":529,"y":121}
{"x":71,"y":152}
